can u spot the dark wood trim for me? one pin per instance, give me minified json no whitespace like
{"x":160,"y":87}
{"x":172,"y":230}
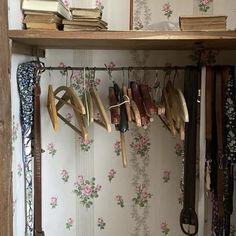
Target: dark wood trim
{"x":6,"y":211}
{"x":131,"y":15}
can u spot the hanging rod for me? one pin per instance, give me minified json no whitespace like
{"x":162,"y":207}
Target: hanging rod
{"x":130,"y":68}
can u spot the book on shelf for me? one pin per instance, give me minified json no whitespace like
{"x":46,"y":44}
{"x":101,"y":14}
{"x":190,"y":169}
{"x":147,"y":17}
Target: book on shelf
{"x":82,"y":27}
{"x":45,"y":18}
{"x":202,"y":19}
{"x":203,"y":23}
{"x":55,"y":6}
{"x":87,"y":22}
{"x":86,"y":12}
{"x":42,"y":26}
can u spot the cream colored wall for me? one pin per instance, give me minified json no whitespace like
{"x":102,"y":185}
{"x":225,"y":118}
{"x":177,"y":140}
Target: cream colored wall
{"x":160,"y":166}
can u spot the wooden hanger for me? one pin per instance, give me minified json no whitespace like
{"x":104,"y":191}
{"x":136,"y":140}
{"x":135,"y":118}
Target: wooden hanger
{"x":51,"y":106}
{"x":69,"y":95}
{"x":78,"y":108}
{"x":134,"y":109}
{"x":90,"y":107}
{"x":97,"y":101}
{"x":183,"y":105}
{"x":127,"y":104}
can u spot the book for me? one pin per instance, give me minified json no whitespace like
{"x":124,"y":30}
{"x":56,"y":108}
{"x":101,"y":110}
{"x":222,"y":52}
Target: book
{"x":54,"y":6}
{"x":38,"y":18}
{"x":203,"y":23}
{"x":92,"y":22}
{"x":82,"y":27}
{"x":42,"y":26}
{"x":86,"y":12}
{"x":200,"y":19}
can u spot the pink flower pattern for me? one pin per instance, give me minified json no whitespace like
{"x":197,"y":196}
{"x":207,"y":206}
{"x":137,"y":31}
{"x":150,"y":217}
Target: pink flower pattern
{"x":51,"y":149}
{"x":117,"y":148}
{"x":101,"y":223}
{"x":142,"y":195}
{"x":166,"y":176}
{"x":164,"y":228}
{"x":99,"y":5}
{"x":78,"y":81}
{"x":141,"y":144}
{"x":65,"y":176}
{"x":69,"y":223}
{"x":53,"y":202}
{"x":86,"y":190}
{"x":167,"y":10}
{"x":85,"y":145}
{"x":111,"y":175}
{"x":120,"y":201}
{"x":179,"y":149}
{"x":204,"y":5}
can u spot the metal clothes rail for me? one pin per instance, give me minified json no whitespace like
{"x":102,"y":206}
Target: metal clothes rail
{"x":129,"y":68}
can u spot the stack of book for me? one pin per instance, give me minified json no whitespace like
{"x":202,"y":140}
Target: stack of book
{"x":203,"y":23}
{"x":44,"y":14}
{"x":85,"y":19}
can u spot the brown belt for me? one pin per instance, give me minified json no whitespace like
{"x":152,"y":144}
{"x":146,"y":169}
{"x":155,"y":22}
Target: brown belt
{"x":37,"y":165}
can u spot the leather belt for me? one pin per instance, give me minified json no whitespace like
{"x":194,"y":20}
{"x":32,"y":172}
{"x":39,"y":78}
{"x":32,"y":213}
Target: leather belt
{"x":37,"y":164}
{"x":219,"y":96}
{"x":188,"y":215}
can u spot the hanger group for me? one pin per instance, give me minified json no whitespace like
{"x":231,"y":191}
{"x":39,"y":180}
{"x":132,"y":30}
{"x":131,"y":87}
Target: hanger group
{"x":133,"y":101}
{"x":83,"y":108}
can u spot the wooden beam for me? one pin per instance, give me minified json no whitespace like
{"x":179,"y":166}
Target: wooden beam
{"x":28,"y":50}
{"x":138,"y":40}
{"x":6,"y":210}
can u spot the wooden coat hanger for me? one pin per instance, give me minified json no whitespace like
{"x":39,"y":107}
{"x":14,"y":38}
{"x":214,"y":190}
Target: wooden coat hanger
{"x":51,"y":106}
{"x":77,"y":106}
{"x":97,"y":101}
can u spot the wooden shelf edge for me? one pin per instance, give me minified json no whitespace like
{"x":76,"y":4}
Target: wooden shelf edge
{"x":151,"y":40}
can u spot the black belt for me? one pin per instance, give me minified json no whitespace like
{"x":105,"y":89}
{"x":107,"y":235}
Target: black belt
{"x":188,"y":215}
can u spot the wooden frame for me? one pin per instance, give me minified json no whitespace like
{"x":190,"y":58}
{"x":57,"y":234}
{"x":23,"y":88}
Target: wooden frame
{"x":131,"y":15}
{"x":6,"y":211}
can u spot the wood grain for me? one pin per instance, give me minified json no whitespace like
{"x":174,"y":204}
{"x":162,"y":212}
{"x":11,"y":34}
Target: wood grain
{"x":6,"y":226}
{"x":173,"y":40}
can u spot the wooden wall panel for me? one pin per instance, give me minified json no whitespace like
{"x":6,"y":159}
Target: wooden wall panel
{"x":6,"y":211}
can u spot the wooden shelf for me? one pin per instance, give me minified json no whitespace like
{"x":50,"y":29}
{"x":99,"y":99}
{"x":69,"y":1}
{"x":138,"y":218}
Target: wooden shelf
{"x":143,"y":40}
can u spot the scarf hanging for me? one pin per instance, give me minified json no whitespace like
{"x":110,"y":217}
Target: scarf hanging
{"x":27,"y":78}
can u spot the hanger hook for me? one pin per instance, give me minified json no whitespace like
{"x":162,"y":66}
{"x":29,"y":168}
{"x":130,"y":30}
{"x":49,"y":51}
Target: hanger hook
{"x":123,"y":72}
{"x":66,"y":74}
{"x":109,"y":72}
{"x":72,"y":74}
{"x":175,"y":75}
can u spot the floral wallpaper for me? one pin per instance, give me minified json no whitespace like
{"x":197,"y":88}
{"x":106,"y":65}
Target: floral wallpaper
{"x":115,"y":201}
